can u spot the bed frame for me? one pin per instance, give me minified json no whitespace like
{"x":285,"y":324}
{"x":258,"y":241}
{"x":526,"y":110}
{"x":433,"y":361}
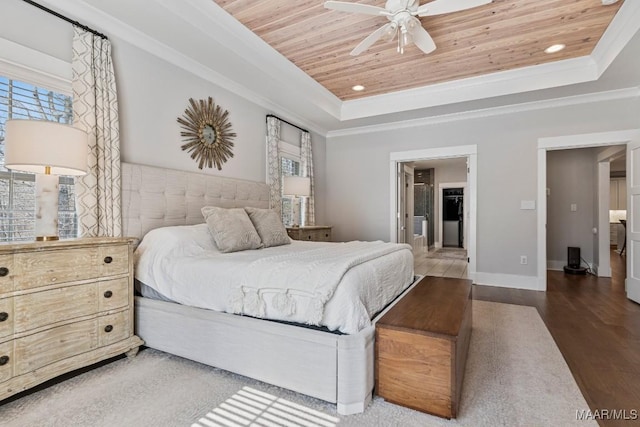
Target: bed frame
{"x":335,"y":368}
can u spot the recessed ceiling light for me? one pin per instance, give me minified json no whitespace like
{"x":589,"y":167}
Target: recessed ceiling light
{"x":554,"y":48}
{"x":358,"y":88}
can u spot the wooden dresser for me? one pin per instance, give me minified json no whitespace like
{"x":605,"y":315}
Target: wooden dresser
{"x":63,"y":305}
{"x":312,"y":233}
{"x":422,"y":344}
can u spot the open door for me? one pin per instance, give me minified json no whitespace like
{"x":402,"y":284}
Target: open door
{"x":401,"y":204}
{"x":633,"y":220}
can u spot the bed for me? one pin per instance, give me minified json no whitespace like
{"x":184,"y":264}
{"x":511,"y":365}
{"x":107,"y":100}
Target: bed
{"x":330,"y":362}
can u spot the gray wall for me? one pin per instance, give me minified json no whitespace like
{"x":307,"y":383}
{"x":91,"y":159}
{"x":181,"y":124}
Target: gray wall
{"x":152,"y":94}
{"x":358,"y":174}
{"x":571,"y":179}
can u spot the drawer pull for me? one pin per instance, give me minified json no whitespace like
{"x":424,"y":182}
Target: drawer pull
{"x":108,"y":294}
{"x":4,"y":316}
{"x":108,"y":328}
{"x":108,"y":260}
{"x":309,"y":237}
{"x":4,"y":360}
{"x":4,"y":271}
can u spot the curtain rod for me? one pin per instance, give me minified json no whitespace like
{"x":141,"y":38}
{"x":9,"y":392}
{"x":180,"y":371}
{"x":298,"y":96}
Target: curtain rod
{"x":290,"y":124}
{"x":64,"y":18}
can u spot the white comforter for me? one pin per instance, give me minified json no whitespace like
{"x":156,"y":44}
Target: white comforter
{"x":183,"y":264}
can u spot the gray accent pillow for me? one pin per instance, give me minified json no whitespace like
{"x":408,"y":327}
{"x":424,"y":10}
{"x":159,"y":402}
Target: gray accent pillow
{"x":231,"y":229}
{"x":269,"y":226}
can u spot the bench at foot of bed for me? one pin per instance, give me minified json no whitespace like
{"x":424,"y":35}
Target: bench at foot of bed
{"x":422,"y":344}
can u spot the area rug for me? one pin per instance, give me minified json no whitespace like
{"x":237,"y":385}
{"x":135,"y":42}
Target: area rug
{"x":515,"y":376}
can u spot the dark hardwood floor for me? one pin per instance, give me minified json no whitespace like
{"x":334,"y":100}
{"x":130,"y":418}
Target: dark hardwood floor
{"x":596,"y":328}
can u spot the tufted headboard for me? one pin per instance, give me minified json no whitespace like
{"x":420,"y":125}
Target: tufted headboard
{"x":155,"y":197}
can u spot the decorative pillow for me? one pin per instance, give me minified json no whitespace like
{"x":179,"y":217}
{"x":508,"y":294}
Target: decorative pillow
{"x":231,"y":229}
{"x":269,"y":226}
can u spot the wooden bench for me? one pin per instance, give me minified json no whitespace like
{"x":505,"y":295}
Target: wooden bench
{"x":421,"y":346}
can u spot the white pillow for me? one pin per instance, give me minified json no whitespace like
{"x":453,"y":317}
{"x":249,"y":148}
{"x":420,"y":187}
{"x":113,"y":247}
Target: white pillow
{"x":232,"y":230}
{"x":269,"y":227}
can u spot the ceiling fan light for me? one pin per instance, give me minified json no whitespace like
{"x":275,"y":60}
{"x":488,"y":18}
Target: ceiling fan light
{"x":554,"y":48}
{"x":358,"y":88}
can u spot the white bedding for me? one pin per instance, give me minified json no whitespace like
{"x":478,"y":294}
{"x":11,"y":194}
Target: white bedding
{"x":183,"y":264}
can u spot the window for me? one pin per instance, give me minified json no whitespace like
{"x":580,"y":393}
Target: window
{"x":19,"y":100}
{"x":289,"y":166}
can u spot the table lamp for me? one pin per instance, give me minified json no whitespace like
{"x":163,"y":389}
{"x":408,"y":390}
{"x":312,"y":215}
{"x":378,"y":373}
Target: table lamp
{"x":47,"y":149}
{"x":296,"y":187}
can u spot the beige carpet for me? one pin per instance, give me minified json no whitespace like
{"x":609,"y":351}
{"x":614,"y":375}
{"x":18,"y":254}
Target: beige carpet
{"x":515,"y":376}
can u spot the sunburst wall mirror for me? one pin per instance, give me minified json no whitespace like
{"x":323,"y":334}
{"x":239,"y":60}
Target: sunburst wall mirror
{"x":207,"y":133}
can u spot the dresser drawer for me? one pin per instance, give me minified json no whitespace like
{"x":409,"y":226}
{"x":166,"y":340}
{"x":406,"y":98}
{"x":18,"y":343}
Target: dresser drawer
{"x":54,"y":306}
{"x":35,"y":351}
{"x":6,"y":317}
{"x":114,"y":328}
{"x":113,"y":294}
{"x":319,"y":234}
{"x":6,"y":361}
{"x":6,"y":273}
{"x":113,"y":260}
{"x":34,"y":269}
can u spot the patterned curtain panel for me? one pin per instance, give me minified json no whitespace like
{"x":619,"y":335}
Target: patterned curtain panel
{"x":273,"y":165}
{"x":306,"y":158}
{"x":95,"y":110}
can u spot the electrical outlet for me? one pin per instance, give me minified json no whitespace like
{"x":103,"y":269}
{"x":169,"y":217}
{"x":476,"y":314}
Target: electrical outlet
{"x":523,"y":259}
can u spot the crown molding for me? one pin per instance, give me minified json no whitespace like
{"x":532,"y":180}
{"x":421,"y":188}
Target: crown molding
{"x":622,"y":28}
{"x":26,"y":64}
{"x":570,"y":71}
{"x":633,"y":92}
{"x":120,"y":30}
{"x":258,"y":54}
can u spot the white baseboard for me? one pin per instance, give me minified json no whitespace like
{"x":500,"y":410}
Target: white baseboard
{"x":555,"y":265}
{"x":508,"y":281}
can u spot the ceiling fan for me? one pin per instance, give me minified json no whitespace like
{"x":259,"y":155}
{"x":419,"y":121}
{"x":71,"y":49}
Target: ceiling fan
{"x":403,"y":21}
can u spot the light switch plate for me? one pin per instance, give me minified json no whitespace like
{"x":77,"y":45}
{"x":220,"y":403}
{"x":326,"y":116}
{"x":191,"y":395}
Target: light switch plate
{"x":574,"y":207}
{"x":528,"y":205}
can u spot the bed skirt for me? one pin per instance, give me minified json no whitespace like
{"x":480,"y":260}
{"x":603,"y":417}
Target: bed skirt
{"x":335,"y":368}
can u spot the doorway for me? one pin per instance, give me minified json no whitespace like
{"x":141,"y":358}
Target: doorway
{"x":629,"y":138}
{"x":467,"y":156}
{"x":453,"y":217}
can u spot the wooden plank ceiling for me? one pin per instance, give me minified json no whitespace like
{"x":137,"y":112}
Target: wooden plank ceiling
{"x":502,"y":35}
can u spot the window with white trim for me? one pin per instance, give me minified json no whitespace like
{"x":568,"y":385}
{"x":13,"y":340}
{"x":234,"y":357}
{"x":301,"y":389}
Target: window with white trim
{"x":289,"y":166}
{"x":20,"y":100}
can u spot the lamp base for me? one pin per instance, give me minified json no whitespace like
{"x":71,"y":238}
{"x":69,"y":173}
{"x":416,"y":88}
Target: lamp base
{"x":46,"y":207}
{"x":46,"y":238}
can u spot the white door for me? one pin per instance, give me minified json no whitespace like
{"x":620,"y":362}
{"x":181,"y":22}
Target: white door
{"x":401,"y":204}
{"x":633,"y":220}
{"x":408,"y":215}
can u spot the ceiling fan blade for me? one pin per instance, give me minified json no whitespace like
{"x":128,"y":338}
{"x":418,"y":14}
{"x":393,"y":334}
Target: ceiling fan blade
{"x":355,"y":8}
{"x":422,"y":39}
{"x":370,"y":40}
{"x":438,"y":7}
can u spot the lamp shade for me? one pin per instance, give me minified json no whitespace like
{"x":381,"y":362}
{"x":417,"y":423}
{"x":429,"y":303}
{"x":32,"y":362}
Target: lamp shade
{"x":297,"y":186}
{"x":32,"y":145}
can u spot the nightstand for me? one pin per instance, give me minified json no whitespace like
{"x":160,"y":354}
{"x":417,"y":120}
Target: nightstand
{"x":312,"y":233}
{"x":64,"y":305}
